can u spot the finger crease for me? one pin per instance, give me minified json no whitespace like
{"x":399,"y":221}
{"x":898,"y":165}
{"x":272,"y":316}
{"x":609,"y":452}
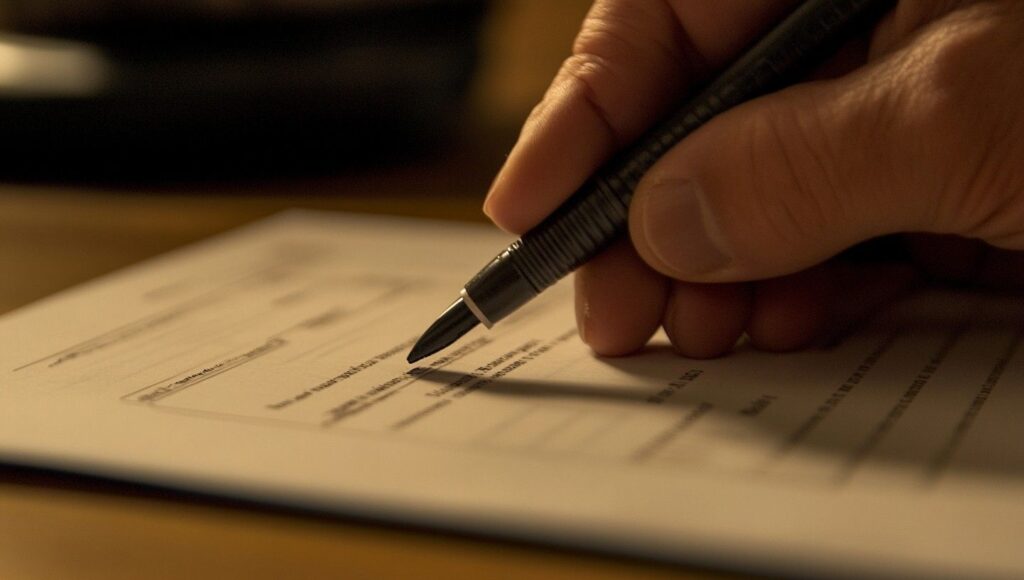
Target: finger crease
{"x":593,"y":101}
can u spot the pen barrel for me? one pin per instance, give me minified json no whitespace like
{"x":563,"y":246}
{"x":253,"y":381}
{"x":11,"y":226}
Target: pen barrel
{"x":598,"y":212}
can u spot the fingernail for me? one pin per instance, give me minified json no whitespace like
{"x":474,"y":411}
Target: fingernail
{"x":584,"y":323}
{"x":489,"y":198}
{"x":582,"y":312}
{"x":679,"y":229}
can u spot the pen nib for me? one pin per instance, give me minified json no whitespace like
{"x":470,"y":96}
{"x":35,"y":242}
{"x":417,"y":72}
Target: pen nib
{"x":454,"y":322}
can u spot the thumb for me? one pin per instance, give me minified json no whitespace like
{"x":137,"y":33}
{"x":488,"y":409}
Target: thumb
{"x":788,"y":180}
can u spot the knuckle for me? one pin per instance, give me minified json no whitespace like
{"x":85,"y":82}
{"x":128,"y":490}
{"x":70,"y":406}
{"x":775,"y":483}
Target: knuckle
{"x":618,"y":27}
{"x":597,"y":87}
{"x":588,"y":68}
{"x":618,"y":64}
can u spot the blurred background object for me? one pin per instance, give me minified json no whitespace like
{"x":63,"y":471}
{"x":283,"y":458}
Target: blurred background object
{"x":179,"y":89}
{"x":70,"y":211}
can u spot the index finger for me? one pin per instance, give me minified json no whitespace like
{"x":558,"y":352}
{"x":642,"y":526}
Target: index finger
{"x":630,"y":62}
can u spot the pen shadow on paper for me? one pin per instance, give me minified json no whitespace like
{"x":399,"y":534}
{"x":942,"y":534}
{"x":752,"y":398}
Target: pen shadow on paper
{"x":964,"y":437}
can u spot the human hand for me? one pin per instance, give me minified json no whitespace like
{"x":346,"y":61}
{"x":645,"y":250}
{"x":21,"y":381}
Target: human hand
{"x":917,"y":128}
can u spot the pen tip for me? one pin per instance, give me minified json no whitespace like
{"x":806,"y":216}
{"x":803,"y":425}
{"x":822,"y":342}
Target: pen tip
{"x":418,"y":352}
{"x":454,"y":322}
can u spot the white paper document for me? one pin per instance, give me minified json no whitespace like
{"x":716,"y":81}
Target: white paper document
{"x":269,"y":363}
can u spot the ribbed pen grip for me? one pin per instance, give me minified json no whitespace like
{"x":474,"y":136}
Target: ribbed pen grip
{"x":594,"y":216}
{"x":570,"y":236}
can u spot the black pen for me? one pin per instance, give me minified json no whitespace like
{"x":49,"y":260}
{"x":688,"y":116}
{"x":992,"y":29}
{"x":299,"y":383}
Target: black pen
{"x":596,"y":214}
